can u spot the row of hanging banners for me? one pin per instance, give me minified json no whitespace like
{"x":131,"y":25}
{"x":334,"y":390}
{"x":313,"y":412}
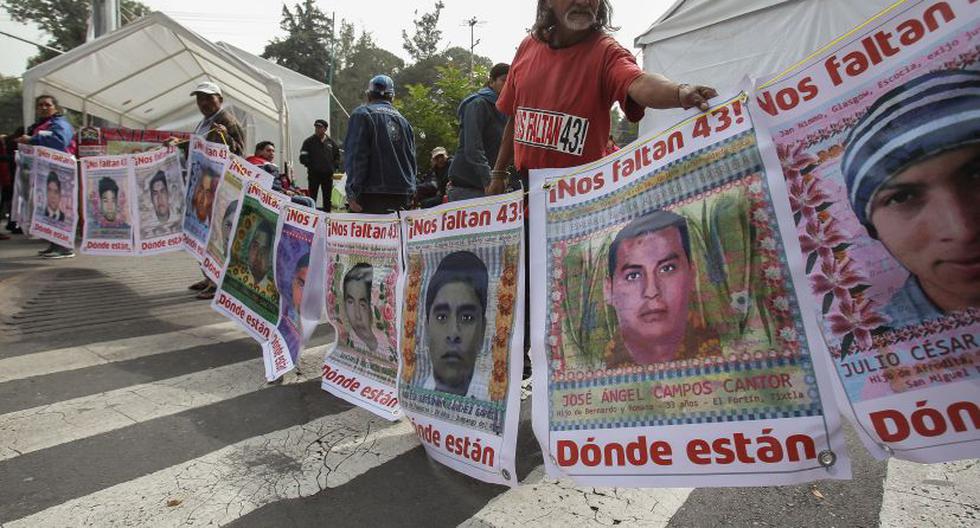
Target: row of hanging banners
{"x":704,"y":304}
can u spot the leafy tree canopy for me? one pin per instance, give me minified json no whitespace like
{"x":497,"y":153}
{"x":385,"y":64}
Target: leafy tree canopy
{"x":425,"y":42}
{"x":306,"y":49}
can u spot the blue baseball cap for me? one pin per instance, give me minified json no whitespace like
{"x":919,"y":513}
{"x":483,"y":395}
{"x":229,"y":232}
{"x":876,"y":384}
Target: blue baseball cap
{"x":381,"y":85}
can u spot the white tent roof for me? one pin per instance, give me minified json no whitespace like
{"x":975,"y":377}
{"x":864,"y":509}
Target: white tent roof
{"x":142,"y":73}
{"x":717,"y":43}
{"x":141,"y":76}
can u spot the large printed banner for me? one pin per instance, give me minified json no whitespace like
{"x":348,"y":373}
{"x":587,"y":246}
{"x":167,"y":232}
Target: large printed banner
{"x":22,"y":206}
{"x":247,"y":293}
{"x":670,"y":346}
{"x":107,"y":189}
{"x":159,"y":201}
{"x":364,"y":265}
{"x":225,"y":209}
{"x":462,"y":344}
{"x":95,"y":141}
{"x":878,"y":136}
{"x":55,"y":177}
{"x":299,"y":279}
{"x":206,"y":164}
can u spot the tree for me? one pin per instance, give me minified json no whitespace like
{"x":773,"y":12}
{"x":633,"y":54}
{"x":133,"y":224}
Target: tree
{"x":358,"y":59}
{"x":623,"y":131}
{"x":424,"y":43}
{"x":307,"y":48}
{"x":65,"y":21}
{"x":424,"y":71}
{"x":431,"y":109}
{"x":11,"y":111}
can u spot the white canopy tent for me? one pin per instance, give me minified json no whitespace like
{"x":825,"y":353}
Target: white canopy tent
{"x":717,"y":43}
{"x":141,"y":76}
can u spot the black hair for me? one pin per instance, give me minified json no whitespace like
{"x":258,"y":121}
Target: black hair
{"x":266,"y":227}
{"x":460,"y":266}
{"x":498,"y":70}
{"x":649,"y":223}
{"x":362,"y":271}
{"x":260,"y":146}
{"x":53,"y":178}
{"x":304,"y":261}
{"x":545,"y":20}
{"x":161,"y":177}
{"x":108,"y":184}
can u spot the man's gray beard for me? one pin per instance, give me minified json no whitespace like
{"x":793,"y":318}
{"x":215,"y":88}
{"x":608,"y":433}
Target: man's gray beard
{"x":578,"y":26}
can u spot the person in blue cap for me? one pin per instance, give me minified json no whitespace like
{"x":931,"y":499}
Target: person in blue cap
{"x":379,"y":153}
{"x":912,"y":169}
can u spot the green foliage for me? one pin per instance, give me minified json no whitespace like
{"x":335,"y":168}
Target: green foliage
{"x":431,"y":109}
{"x":65,"y":21}
{"x":622,"y":130}
{"x":306,"y":49}
{"x":11,"y":115}
{"x":424,"y":43}
{"x":358,"y":59}
{"x":424,"y":71}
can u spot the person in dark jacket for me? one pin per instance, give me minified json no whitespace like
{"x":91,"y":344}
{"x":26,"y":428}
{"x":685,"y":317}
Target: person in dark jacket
{"x":431,"y":192}
{"x":219,"y":125}
{"x":481,"y":126}
{"x":320,"y":154}
{"x":51,"y":130}
{"x":379,"y":153}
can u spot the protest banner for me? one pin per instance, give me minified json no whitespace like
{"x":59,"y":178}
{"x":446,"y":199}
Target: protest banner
{"x":159,"y":201}
{"x":669,"y":347}
{"x":364,"y":264}
{"x":108,"y":191}
{"x":300,"y":235}
{"x":22,"y":206}
{"x":247,"y":293}
{"x":227,"y":197}
{"x":206,"y":163}
{"x":462,"y":346}
{"x":55,"y":177}
{"x":877,"y":137}
{"x":106,"y":141}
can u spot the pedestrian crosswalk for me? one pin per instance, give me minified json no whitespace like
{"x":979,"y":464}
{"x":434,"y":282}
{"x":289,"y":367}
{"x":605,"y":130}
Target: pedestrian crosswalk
{"x":174,"y":426}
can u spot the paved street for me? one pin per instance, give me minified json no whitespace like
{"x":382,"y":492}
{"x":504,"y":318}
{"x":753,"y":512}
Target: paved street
{"x":125,"y":402}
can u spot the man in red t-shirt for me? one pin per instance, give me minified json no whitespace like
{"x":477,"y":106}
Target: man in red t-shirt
{"x":564,"y":79}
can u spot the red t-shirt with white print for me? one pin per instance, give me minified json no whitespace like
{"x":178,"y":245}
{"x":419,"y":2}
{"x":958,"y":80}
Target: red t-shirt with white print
{"x":560,"y":99}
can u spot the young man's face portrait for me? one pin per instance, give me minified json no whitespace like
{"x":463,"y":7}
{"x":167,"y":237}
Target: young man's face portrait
{"x":204,"y":196}
{"x":455,"y":329}
{"x":357,"y":308}
{"x":109,"y":206}
{"x":258,"y":255}
{"x":649,"y":290}
{"x":928,"y":217}
{"x":160,"y":196}
{"x":53,"y":196}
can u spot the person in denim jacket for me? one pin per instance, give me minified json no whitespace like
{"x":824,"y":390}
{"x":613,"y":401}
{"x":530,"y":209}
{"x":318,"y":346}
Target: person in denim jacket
{"x":379,"y":153}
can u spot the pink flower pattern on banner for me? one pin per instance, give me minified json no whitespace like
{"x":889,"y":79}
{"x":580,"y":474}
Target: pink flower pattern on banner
{"x":821,"y":237}
{"x":805,"y":196}
{"x":856,"y":317}
{"x":795,"y":157}
{"x":835,"y":277}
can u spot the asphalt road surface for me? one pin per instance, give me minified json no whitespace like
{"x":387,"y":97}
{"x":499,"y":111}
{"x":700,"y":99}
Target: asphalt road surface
{"x":125,"y":402}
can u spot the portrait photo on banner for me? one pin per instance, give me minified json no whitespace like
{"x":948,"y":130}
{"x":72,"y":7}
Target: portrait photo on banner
{"x":292,"y":268}
{"x":249,"y":276}
{"x":223,"y":213}
{"x":204,"y":174}
{"x":161,"y":198}
{"x":361,"y":302}
{"x":54,"y":192}
{"x":670,"y":300}
{"x":884,"y":193}
{"x":107,"y":205}
{"x":460,"y":299}
{"x":22,"y":207}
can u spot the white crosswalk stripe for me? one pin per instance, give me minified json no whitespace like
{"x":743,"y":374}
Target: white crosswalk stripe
{"x":63,"y":359}
{"x":49,"y":425}
{"x":226,"y":484}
